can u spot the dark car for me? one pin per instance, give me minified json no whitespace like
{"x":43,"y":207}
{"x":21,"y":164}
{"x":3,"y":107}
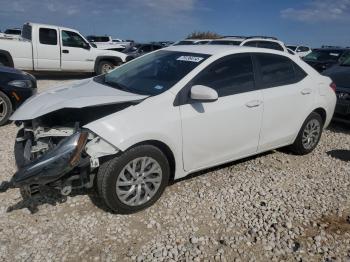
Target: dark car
{"x":340,"y":74}
{"x":324,"y":58}
{"x":15,"y":87}
{"x":141,"y":49}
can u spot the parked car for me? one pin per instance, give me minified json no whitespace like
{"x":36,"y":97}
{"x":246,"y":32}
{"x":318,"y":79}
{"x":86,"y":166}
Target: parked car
{"x":15,"y":88}
{"x":323,"y":58}
{"x":193,"y":42}
{"x":301,"y":51}
{"x":141,"y":49}
{"x":11,"y":34}
{"x":340,"y":74}
{"x":252,"y":41}
{"x":54,"y":48}
{"x":165,"y":115}
{"x":107,"y":43}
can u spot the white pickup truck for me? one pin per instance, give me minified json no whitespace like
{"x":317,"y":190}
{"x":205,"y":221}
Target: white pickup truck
{"x":53,"y":48}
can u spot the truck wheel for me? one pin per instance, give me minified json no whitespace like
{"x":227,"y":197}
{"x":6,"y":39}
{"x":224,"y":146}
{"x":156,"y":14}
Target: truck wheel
{"x":5,"y":108}
{"x":134,"y":180}
{"x":104,"y":67}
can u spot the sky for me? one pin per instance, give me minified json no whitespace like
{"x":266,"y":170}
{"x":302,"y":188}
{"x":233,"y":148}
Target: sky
{"x":310,"y":22}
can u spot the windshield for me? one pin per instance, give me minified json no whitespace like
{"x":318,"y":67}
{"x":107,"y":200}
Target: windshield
{"x":154,"y":73}
{"x":345,"y":59}
{"x":225,"y":42}
{"x":324,"y":55}
{"x":292,"y":47}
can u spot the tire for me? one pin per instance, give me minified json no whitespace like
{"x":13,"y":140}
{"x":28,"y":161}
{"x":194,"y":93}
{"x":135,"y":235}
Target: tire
{"x":114,"y":179}
{"x":104,"y":67}
{"x":304,"y":143}
{"x":5,"y":108}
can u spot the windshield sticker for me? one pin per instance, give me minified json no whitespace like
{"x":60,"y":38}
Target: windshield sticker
{"x":334,"y":54}
{"x":158,"y":87}
{"x":195,"y":59}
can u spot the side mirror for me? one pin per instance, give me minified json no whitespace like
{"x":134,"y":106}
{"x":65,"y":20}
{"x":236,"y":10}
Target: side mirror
{"x":203,"y":93}
{"x":86,"y":46}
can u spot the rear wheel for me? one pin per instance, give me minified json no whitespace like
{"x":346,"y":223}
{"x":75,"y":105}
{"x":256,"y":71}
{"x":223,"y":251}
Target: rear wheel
{"x":5,"y":108}
{"x":134,"y":180}
{"x":309,"y":135}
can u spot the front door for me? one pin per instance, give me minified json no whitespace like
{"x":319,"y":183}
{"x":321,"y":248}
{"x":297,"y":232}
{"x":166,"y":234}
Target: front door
{"x":76,"y":53}
{"x":227,"y":129}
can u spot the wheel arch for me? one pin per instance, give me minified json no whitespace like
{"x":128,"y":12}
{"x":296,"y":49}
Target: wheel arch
{"x":166,"y":150}
{"x":322,"y":112}
{"x":7,"y":56}
{"x":112,"y":59}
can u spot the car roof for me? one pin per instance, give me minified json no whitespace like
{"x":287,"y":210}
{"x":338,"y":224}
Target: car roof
{"x":333,"y":49}
{"x":47,"y":25}
{"x":219,"y":49}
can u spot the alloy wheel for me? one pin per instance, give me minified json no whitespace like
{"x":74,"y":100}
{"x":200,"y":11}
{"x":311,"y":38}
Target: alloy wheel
{"x":3,"y":108}
{"x":139,"y":181}
{"x":311,"y":134}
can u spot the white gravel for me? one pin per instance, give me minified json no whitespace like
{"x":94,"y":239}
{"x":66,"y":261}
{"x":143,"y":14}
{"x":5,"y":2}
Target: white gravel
{"x":274,"y":207}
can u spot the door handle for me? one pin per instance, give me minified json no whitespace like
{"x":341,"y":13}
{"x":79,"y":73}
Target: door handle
{"x":254,"y":103}
{"x":65,"y":51}
{"x":306,"y":91}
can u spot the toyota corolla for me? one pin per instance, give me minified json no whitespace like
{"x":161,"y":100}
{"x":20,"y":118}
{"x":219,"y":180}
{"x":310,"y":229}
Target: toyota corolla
{"x":165,"y":115}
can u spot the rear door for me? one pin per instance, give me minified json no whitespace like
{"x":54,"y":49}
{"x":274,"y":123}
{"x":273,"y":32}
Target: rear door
{"x":288,"y":99}
{"x":227,"y":129}
{"x":47,"y":55}
{"x":77,"y":54}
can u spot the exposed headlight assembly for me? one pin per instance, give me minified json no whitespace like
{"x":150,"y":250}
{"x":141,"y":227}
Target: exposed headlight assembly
{"x":54,"y":164}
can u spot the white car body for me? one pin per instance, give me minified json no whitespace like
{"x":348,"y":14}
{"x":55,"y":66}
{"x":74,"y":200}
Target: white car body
{"x":110,"y":44}
{"x":300,"y":50}
{"x":262,"y":42}
{"x":35,"y":52}
{"x":199,"y":135}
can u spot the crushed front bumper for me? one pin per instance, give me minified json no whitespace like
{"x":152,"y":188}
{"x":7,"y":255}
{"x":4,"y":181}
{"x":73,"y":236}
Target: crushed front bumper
{"x":52,"y":165}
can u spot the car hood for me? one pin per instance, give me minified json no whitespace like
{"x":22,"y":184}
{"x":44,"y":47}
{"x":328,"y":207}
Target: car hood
{"x":339,"y":74}
{"x":78,"y":94}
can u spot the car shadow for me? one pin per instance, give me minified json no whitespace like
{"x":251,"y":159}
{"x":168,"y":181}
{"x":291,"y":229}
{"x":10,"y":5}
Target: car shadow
{"x":341,"y":154}
{"x":338,"y":127}
{"x":213,"y":169}
{"x":51,"y":197}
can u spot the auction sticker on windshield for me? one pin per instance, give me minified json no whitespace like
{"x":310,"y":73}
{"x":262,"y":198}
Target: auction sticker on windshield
{"x":195,"y":59}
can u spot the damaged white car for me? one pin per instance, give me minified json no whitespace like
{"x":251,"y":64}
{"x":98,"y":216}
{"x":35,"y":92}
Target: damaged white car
{"x":165,"y":115}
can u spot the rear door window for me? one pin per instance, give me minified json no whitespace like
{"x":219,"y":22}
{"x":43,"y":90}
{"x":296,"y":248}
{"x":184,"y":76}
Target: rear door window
{"x":47,"y":36}
{"x":275,"y":70}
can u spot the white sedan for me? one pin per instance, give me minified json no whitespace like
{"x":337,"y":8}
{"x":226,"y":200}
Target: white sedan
{"x":165,"y":115}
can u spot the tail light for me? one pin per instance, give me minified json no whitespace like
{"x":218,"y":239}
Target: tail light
{"x":333,"y":86}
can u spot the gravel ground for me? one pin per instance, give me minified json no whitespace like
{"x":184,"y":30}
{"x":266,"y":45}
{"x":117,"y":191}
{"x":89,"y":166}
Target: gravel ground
{"x":273,"y":207}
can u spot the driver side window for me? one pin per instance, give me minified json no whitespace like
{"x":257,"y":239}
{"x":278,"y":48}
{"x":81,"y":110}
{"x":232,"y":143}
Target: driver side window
{"x":72,"y":39}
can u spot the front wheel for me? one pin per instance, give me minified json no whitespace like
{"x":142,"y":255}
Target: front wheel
{"x":134,"y":180}
{"x":5,"y":108}
{"x":309,"y":135}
